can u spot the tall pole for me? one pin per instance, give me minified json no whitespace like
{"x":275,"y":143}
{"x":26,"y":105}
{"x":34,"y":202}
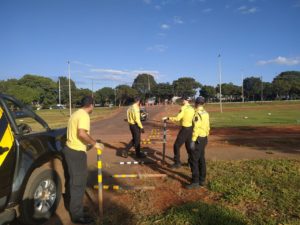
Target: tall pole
{"x":262,"y":90}
{"x":92,"y":88}
{"x":100,"y":185}
{"x":115,"y":96}
{"x":59,"y":92}
{"x":220,"y":85}
{"x":164,"y":141}
{"x":70,"y":97}
{"x":243,"y":98}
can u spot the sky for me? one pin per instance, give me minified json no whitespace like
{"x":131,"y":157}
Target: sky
{"x":110,"y":42}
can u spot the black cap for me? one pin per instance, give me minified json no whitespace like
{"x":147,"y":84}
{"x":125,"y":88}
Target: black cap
{"x":200,"y":100}
{"x":185,"y":97}
{"x":137,"y":98}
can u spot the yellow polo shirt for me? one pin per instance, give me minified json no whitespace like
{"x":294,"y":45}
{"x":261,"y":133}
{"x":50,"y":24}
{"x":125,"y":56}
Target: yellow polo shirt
{"x":78,"y":120}
{"x":185,"y":116}
{"x":133,"y":115}
{"x":201,"y":123}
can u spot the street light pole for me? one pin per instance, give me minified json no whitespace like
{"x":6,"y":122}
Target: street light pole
{"x":115,"y":96}
{"x":243,"y":98}
{"x":220,"y":85}
{"x":59,"y":92}
{"x":70,"y":96}
{"x":262,"y":89}
{"x":92,"y":88}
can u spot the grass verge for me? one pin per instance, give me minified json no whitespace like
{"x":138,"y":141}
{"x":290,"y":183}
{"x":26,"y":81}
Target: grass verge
{"x":59,"y":118}
{"x":266,"y":190}
{"x":250,"y":114}
{"x":256,"y":116}
{"x":261,"y":117}
{"x":247,"y":192}
{"x":199,"y":213}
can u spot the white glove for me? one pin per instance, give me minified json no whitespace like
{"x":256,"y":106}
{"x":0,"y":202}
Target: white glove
{"x":99,"y":145}
{"x":165,"y":118}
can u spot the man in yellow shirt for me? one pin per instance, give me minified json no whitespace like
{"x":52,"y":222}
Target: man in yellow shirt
{"x":185,"y":117}
{"x":199,"y":141}
{"x":136,"y":128}
{"x":78,"y":138}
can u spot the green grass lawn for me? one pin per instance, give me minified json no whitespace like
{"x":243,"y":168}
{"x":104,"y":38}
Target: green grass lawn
{"x":198,"y":213}
{"x":249,"y":192}
{"x":266,"y":114}
{"x":59,"y":118}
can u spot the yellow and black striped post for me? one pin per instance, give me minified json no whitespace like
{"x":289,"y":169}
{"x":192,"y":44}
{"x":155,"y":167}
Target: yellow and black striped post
{"x":100,"y":192}
{"x":138,"y":175}
{"x":131,"y":163}
{"x":117,"y":187}
{"x":124,"y":175}
{"x":164,"y":141}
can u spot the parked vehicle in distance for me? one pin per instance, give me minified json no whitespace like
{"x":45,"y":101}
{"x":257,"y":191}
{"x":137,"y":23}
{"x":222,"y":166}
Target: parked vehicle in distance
{"x":31,"y":166}
{"x":144,"y":114}
{"x":57,"y":107}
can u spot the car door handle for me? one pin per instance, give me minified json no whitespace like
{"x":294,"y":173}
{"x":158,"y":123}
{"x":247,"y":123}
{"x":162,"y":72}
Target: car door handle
{"x":3,"y":150}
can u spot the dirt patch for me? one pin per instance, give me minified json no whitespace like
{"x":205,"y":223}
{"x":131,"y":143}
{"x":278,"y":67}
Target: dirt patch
{"x":283,"y":139}
{"x":130,"y":206}
{"x":257,"y":131}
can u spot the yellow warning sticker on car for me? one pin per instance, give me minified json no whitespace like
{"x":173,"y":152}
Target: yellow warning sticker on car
{"x":6,"y":137}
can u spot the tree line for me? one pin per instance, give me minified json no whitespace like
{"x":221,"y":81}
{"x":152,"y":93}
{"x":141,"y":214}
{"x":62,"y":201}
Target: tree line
{"x":285,"y":86}
{"x":40,"y":90}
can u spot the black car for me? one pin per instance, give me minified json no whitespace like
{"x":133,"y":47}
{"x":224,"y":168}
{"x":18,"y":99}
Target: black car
{"x":31,"y":168}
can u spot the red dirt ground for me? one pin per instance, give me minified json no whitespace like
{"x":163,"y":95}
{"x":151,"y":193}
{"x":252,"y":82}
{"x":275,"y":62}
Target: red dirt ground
{"x":257,"y":131}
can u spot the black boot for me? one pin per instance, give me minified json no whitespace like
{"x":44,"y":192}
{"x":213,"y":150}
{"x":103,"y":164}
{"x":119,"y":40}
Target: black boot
{"x":176,"y":166}
{"x":125,"y":154}
{"x":192,"y":186}
{"x":140,"y":155}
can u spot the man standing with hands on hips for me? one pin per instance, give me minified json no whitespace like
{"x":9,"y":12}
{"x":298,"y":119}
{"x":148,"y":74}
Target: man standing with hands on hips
{"x":78,"y":137}
{"x":198,"y":144}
